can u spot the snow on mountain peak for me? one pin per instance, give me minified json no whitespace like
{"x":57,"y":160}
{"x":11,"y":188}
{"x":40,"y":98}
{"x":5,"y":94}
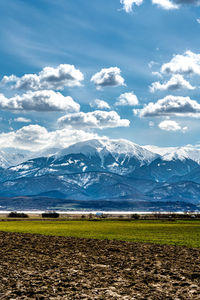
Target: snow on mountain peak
{"x":105,"y":146}
{"x":174,"y":153}
{"x":10,"y":157}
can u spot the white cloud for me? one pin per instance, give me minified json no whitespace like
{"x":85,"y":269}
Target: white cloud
{"x":169,"y":125}
{"x":152,"y":63}
{"x":151,"y":124}
{"x":166,"y":4}
{"x":49,"y":78}
{"x":39,"y":101}
{"x":188,"y":63}
{"x":100,"y":104}
{"x":170,"y":106}
{"x":108,"y":77}
{"x":177,"y":82}
{"x":22,"y":120}
{"x":127,"y":99}
{"x":128,"y":4}
{"x":36,"y":138}
{"x":157,"y":74}
{"x":174,"y":4}
{"x":95,"y":119}
{"x":198,"y":20}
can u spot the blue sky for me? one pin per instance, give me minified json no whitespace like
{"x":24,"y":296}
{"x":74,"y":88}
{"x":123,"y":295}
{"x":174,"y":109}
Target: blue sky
{"x":92,"y":36}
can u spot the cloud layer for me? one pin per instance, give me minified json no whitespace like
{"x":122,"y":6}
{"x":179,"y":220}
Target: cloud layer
{"x":48,"y":79}
{"x":37,"y":138}
{"x":96,"y":119}
{"x":109,"y":77}
{"x":39,"y":101}
{"x":171,"y":106}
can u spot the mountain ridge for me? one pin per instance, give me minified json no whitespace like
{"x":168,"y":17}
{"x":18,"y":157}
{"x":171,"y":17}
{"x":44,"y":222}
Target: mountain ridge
{"x":107,"y":170}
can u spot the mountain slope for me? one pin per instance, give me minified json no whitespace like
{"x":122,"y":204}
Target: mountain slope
{"x":116,"y":156}
{"x":193,"y":176}
{"x":10,"y":157}
{"x":185,"y":191}
{"x":161,"y":170}
{"x":90,"y":185}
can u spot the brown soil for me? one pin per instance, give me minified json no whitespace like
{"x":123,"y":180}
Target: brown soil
{"x":44,"y":267}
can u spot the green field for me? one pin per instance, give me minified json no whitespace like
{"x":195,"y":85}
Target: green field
{"x":183,"y":233}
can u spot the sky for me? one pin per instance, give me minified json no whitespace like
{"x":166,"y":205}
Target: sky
{"x":75,"y":70}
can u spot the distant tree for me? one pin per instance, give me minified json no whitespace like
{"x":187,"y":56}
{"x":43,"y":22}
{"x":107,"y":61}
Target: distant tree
{"x":103,"y":216}
{"x":135,"y":216}
{"x":15,"y":214}
{"x":50,"y":214}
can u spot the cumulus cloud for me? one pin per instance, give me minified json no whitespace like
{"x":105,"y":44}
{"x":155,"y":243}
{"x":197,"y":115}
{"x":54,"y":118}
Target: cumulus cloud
{"x":188,"y":63}
{"x":48,"y":79}
{"x":36,"y":138}
{"x":171,"y":106}
{"x":22,"y":120}
{"x":127,"y":99}
{"x":166,"y":4}
{"x":169,"y":125}
{"x":174,"y":4}
{"x":128,"y":4}
{"x":177,"y":82}
{"x":39,"y":101}
{"x":95,"y":119}
{"x":100,"y":104}
{"x":108,"y":77}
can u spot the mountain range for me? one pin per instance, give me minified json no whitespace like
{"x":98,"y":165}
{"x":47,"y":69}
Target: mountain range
{"x":103,"y":174}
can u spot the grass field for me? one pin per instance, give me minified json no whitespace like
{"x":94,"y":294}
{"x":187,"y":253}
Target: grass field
{"x":183,"y":233}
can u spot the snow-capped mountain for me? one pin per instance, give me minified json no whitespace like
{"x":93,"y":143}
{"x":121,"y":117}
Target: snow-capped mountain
{"x":116,"y":147}
{"x":173,"y":153}
{"x":120,"y":156}
{"x":10,"y":157}
{"x":116,"y":156}
{"x":104,"y":170}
